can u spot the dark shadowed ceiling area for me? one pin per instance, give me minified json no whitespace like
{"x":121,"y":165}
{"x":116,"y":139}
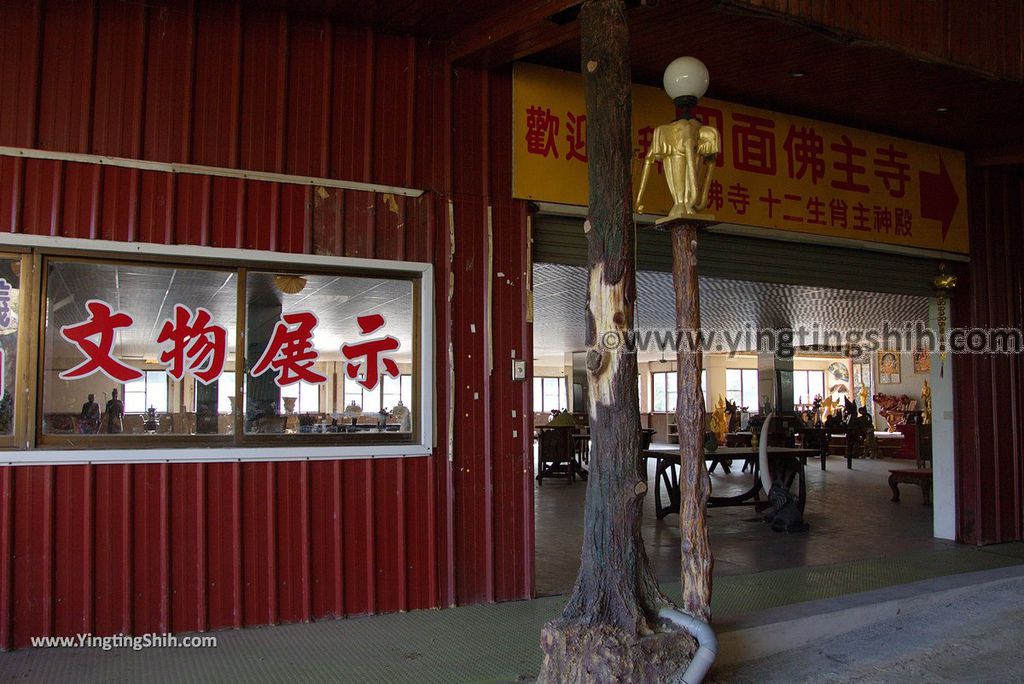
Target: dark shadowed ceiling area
{"x":752,"y":58}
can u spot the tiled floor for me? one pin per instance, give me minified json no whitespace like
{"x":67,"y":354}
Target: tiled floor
{"x":849,"y":512}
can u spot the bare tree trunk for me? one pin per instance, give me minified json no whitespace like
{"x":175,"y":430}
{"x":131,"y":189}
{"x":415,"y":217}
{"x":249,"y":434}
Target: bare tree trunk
{"x":608,"y":630}
{"x":694,"y":481}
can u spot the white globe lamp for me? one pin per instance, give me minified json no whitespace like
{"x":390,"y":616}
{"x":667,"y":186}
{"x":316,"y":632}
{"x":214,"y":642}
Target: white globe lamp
{"x":686,"y":80}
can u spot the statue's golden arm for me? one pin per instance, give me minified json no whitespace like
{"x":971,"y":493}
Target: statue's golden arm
{"x":708,"y":148}
{"x":654,"y":153}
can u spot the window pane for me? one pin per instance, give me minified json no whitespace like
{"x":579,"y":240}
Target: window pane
{"x":135,"y":396}
{"x":733,"y":380}
{"x":392,"y":392}
{"x":750,"y":392}
{"x":353,"y":396}
{"x":704,"y":386}
{"x":671,"y":390}
{"x":816,"y":384}
{"x":156,"y":390}
{"x":296,"y":326}
{"x":659,"y":391}
{"x":10,"y":289}
{"x":113,"y":334}
{"x":551,"y":402}
{"x":538,"y":395}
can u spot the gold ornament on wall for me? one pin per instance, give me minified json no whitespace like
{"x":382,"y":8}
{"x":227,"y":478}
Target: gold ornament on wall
{"x":944,"y":283}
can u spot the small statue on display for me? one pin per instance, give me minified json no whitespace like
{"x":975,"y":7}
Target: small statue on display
{"x":353,"y":411}
{"x":152,"y":423}
{"x":926,"y":404}
{"x":720,"y":421}
{"x":784,"y":515}
{"x":401,"y":415}
{"x":733,"y":411}
{"x":89,"y":418}
{"x":114,"y":414}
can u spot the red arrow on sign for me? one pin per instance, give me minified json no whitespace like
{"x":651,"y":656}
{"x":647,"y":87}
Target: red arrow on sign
{"x":938,"y":196}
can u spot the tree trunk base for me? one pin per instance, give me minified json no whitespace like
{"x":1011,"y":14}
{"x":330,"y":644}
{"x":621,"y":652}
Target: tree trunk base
{"x":574,"y":652}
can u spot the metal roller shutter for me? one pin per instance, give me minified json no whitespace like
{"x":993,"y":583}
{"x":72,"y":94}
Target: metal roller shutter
{"x":560,"y":240}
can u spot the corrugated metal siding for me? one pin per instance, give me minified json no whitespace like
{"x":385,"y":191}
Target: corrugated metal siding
{"x":990,"y":388}
{"x":560,"y":240}
{"x":137,"y":548}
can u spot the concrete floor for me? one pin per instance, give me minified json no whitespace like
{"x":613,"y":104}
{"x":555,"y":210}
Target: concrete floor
{"x":975,"y":636}
{"x":849,"y":511}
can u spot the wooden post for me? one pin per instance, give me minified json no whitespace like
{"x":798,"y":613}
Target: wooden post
{"x":694,"y":481}
{"x":609,"y":629}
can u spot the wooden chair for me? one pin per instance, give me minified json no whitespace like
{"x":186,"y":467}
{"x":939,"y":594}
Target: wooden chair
{"x":556,"y":455}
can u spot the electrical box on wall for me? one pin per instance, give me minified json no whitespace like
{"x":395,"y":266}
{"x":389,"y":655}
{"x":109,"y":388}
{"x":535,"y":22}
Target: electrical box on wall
{"x":518,"y":370}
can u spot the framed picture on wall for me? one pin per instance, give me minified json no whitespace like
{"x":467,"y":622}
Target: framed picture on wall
{"x":922,"y":361}
{"x":888,"y":368}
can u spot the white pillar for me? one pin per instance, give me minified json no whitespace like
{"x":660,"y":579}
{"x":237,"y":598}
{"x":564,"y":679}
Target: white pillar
{"x":943,"y":472}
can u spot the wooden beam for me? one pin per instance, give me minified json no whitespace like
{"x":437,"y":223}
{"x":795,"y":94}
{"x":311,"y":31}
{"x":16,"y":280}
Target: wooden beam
{"x":468,"y":44}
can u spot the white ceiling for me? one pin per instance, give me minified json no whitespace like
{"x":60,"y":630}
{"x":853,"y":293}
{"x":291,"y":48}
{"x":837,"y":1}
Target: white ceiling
{"x":560,"y":299}
{"x":149,"y":294}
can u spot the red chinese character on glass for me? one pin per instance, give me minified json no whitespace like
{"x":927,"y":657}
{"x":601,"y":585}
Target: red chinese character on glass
{"x":197,"y":346}
{"x":101,"y":325}
{"x":709,"y":116}
{"x":804,"y":150}
{"x":838,"y":212}
{"x":290,"y":351}
{"x":367,"y":356}
{"x":847,"y":167}
{"x":739,"y":198}
{"x":541,"y":129}
{"x":753,"y":144}
{"x":891,"y":170}
{"x":576,"y":129}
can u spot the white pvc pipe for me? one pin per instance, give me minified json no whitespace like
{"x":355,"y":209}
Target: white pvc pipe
{"x":707,"y":643}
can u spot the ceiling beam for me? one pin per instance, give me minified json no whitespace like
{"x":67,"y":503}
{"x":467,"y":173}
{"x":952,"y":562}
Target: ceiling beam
{"x":469,"y":44}
{"x":1011,"y":155}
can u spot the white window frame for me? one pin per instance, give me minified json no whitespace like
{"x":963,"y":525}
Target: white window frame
{"x":421,"y":272}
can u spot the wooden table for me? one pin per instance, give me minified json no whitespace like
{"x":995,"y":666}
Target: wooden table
{"x":785,"y":462}
{"x":922,"y":477}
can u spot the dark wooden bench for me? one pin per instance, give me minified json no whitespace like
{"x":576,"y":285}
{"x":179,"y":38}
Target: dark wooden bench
{"x":922,"y":477}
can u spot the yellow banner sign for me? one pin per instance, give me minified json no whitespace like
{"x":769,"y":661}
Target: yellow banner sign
{"x":775,"y":171}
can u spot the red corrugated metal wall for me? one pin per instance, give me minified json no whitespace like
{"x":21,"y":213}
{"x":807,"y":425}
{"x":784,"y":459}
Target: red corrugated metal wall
{"x":990,"y":424}
{"x":181,"y":547}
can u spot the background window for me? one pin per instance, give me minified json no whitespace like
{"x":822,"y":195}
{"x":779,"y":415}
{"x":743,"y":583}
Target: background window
{"x":665,"y":391}
{"x":741,"y":387}
{"x":148,"y":391}
{"x":549,"y":394}
{"x":808,"y":384}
